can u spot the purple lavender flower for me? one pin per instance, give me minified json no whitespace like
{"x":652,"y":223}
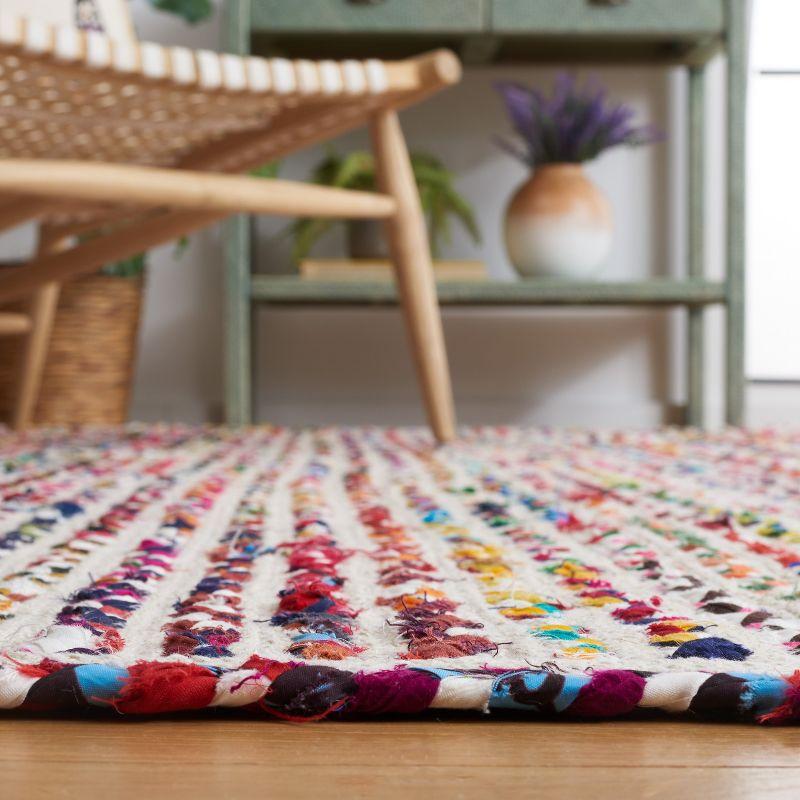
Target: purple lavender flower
{"x":572,"y":125}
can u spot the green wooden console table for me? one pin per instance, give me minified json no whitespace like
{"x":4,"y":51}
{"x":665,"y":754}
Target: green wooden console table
{"x":669,"y":32}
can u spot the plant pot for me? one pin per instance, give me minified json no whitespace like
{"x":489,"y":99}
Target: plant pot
{"x":558,"y":224}
{"x":89,"y":367}
{"x":366,"y":239}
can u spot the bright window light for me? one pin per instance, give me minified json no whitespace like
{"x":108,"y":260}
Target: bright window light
{"x":773,"y":263}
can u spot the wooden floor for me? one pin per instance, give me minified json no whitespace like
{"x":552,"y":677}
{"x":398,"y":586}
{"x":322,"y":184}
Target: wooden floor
{"x":230,"y":758}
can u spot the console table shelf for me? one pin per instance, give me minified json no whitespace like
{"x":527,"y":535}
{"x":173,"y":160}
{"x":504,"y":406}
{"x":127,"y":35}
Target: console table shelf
{"x":292,"y":290}
{"x":665,"y":32}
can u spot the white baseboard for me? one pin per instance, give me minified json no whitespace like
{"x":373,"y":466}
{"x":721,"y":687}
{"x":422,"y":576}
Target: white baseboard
{"x":767,"y":404}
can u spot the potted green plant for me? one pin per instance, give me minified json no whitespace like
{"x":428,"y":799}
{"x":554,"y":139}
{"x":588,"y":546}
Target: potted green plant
{"x":440,"y":200}
{"x":558,"y":223}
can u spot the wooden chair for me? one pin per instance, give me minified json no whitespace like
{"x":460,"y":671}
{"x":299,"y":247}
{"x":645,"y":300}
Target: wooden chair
{"x":34,"y":324}
{"x":117,"y":146}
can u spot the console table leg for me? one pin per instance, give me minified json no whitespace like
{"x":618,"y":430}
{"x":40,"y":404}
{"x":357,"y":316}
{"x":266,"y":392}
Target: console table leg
{"x":238,"y":326}
{"x":735,"y":318}
{"x":238,"y":389}
{"x":697,"y":255}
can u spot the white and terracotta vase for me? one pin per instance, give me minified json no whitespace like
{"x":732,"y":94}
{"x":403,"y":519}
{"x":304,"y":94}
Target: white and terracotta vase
{"x":558,"y":224}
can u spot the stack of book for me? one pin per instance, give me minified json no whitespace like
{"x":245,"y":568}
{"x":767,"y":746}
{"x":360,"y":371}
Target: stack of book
{"x":357,"y":270}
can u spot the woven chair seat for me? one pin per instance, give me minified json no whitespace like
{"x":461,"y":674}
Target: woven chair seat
{"x":79,"y":95}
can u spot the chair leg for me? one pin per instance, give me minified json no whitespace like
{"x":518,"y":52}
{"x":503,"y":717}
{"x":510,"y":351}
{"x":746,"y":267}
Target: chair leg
{"x":408,"y":240}
{"x":42,"y":312}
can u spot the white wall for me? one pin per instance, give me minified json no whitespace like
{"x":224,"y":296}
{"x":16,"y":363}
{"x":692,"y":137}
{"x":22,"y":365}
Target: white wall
{"x":179,"y":371}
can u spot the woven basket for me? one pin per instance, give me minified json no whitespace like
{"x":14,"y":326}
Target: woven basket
{"x":89,"y":368}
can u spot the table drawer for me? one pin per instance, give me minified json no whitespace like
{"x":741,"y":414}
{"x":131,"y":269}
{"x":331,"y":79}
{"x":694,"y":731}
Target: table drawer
{"x":368,"y":16}
{"x":680,"y":18}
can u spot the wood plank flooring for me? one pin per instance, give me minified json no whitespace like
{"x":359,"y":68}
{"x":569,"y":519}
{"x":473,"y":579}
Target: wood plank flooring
{"x":231,"y":758}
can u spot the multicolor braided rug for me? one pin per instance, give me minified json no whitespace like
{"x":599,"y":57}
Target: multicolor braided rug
{"x":350,"y":572}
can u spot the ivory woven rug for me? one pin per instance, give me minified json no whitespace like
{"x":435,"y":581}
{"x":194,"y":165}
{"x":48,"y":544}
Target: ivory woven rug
{"x":351,"y":572}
